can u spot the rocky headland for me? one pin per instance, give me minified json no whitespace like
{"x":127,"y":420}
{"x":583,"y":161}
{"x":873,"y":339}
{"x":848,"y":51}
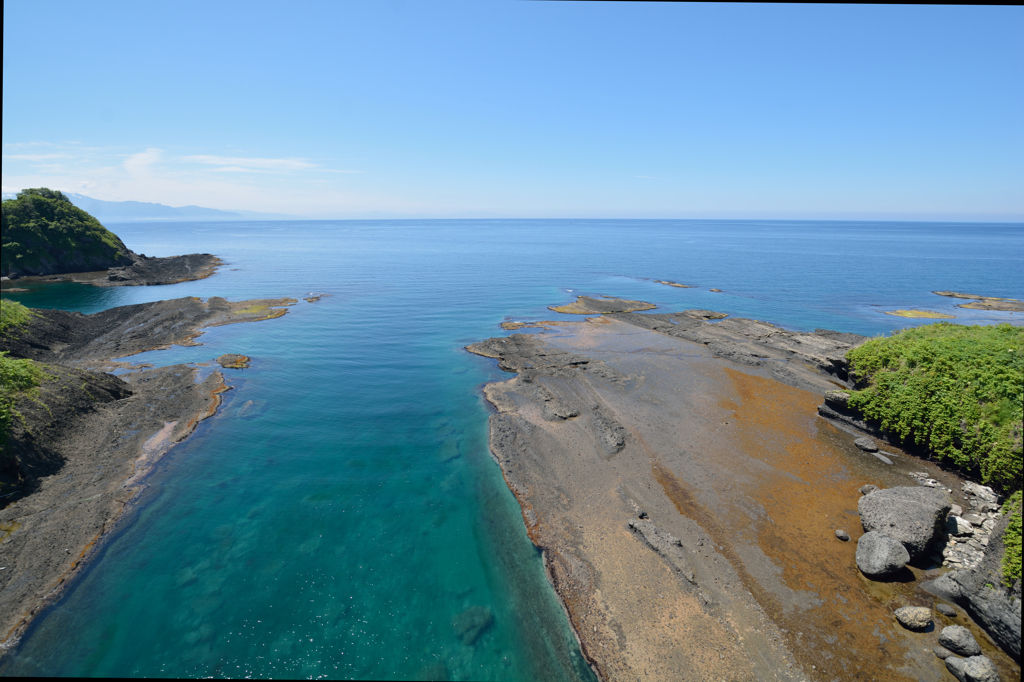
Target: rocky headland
{"x":82,"y":441}
{"x":985,"y":302}
{"x":700,"y":518}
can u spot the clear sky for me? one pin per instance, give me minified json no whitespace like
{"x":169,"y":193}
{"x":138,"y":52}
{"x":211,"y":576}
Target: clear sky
{"x":521,"y":109}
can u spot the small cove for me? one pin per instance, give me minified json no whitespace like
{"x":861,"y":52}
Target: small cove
{"x":346,"y":522}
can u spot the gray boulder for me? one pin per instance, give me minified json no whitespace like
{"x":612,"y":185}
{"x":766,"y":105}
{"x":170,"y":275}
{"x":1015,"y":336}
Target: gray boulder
{"x":914,"y":516}
{"x":866,"y":444}
{"x":942,"y":652}
{"x":959,"y":640}
{"x":842,"y":534}
{"x":973,"y":669}
{"x":914,"y":617}
{"x":958,"y":526}
{"x":946,"y":610}
{"x":879,"y":555}
{"x":868,"y":489}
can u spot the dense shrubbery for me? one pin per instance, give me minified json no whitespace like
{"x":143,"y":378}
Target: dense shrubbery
{"x":956,"y":390}
{"x":15,"y":376}
{"x":1011,"y":539}
{"x":44,"y":233}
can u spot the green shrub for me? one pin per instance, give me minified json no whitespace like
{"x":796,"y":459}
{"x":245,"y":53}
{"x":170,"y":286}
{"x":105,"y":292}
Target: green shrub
{"x":12,"y":314}
{"x":1011,"y":539}
{"x":956,"y":390}
{"x":16,"y":376}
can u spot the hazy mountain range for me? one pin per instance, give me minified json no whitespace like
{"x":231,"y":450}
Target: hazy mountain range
{"x":137,"y":211}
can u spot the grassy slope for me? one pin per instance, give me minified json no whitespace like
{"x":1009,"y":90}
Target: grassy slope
{"x":44,"y":233}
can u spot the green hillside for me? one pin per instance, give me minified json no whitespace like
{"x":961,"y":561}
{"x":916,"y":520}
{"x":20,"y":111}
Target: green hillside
{"x":43,"y":233}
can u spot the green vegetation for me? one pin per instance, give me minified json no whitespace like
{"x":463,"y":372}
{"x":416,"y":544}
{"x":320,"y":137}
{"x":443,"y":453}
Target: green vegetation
{"x":16,"y":376}
{"x":956,"y":390}
{"x":12,"y":314}
{"x":44,"y":233}
{"x":1011,"y":539}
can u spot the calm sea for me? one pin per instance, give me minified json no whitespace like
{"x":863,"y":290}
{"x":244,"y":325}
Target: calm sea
{"x":341,"y":516}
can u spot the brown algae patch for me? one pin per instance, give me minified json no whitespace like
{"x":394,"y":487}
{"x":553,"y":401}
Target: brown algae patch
{"x":920,"y":314}
{"x":805,"y":492}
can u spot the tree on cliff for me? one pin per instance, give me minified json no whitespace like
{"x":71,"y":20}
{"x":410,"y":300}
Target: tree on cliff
{"x":43,"y":233}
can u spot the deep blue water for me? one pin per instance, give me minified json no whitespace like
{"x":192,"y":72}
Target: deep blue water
{"x":339,"y":524}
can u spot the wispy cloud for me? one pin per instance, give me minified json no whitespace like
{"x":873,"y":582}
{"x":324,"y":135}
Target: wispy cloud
{"x":139,"y":164}
{"x":251,"y":164}
{"x":35,"y":157}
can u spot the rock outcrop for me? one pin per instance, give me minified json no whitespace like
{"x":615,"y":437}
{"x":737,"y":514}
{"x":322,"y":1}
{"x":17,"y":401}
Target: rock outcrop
{"x":913,"y":516}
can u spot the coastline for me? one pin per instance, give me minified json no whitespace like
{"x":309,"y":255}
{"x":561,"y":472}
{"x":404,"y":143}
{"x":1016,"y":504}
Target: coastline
{"x":82,"y":463}
{"x":668,"y":564}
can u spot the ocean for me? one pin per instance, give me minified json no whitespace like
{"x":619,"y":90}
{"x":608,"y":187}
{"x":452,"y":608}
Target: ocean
{"x":341,"y":516}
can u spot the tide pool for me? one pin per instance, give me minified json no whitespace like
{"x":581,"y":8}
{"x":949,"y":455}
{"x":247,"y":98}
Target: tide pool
{"x":341,"y":516}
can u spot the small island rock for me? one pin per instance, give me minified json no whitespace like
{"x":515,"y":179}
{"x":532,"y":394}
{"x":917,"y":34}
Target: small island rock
{"x":233,"y":361}
{"x":973,"y":669}
{"x":959,"y":640}
{"x":914,"y":617}
{"x":879,"y":555}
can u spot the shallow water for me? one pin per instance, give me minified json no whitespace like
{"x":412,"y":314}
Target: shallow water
{"x":341,"y":516}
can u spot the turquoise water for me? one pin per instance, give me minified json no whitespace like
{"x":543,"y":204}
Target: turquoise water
{"x":341,"y":516}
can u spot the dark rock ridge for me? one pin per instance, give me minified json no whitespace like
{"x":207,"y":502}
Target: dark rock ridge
{"x":150,"y":270}
{"x":73,"y":338}
{"x":914,"y":517}
{"x":981,"y":592}
{"x":586,"y":305}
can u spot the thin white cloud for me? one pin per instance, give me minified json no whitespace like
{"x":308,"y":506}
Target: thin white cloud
{"x":235,"y":162}
{"x":139,"y":164}
{"x":35,"y":157}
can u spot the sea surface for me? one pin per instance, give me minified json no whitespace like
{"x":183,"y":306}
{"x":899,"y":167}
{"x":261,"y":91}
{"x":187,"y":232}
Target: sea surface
{"x":341,"y":516}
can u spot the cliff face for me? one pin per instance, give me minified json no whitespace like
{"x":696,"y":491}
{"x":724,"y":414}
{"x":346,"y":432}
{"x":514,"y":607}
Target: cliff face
{"x":43,"y":233}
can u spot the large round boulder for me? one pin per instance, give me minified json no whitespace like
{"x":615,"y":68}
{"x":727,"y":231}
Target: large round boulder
{"x":879,"y":555}
{"x":959,"y":640}
{"x":913,"y":516}
{"x":914,"y":617}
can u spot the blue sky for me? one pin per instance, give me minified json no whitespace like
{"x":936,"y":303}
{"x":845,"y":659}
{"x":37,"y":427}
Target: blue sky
{"x":521,"y":109}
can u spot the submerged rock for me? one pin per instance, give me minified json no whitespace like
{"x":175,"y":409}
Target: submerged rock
{"x":879,"y":555}
{"x":471,"y":623}
{"x":959,"y":640}
{"x":914,"y":617}
{"x":946,"y":610}
{"x":914,"y":516}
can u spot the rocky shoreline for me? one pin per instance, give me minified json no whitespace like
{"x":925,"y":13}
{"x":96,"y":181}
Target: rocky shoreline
{"x":79,"y":452}
{"x":142,"y":271}
{"x":690,"y":500}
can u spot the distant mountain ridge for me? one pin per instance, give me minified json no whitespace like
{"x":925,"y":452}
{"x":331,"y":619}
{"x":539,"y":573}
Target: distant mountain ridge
{"x":140,"y":211}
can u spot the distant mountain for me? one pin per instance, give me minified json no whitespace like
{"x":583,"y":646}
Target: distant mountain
{"x":140,"y":211}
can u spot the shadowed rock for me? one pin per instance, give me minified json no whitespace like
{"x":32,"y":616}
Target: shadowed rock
{"x":879,"y":555}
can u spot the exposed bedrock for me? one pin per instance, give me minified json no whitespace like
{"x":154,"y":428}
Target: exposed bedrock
{"x":915,"y":517}
{"x":150,"y":270}
{"x":71,"y":338}
{"x":982,"y":593}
